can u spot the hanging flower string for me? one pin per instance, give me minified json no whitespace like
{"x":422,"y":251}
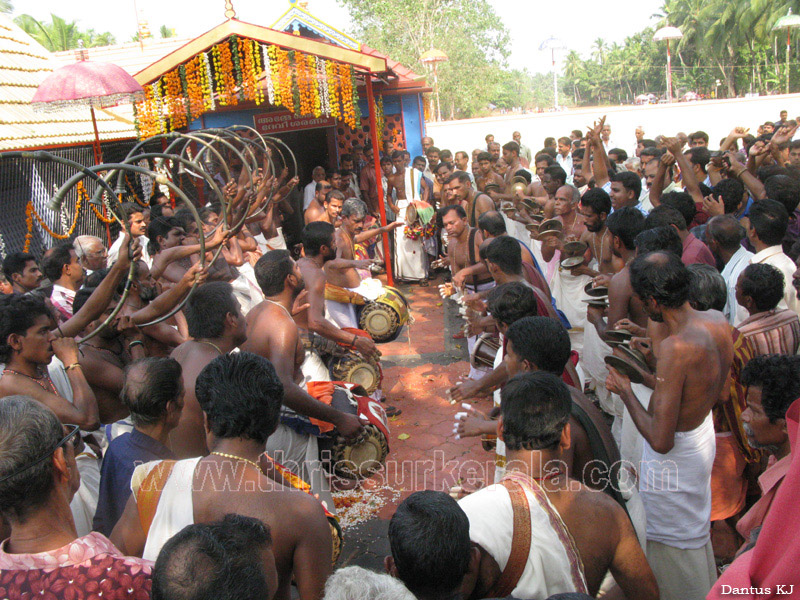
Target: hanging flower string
{"x":31,"y":214}
{"x":232,"y":72}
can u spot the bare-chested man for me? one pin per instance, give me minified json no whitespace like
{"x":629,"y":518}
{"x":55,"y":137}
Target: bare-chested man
{"x":474,"y":203}
{"x":567,"y":201}
{"x":216,"y":326}
{"x":240,"y":395}
{"x":350,"y":233}
{"x":595,"y":207}
{"x":105,"y":356}
{"x":588,"y":535}
{"x":486,"y":174}
{"x":273,"y":333}
{"x":319,"y":246}
{"x":692,"y":364}
{"x":316,"y":209}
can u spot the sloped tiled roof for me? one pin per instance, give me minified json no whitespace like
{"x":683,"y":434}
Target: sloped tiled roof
{"x":24,"y":64}
{"x":131,"y":56}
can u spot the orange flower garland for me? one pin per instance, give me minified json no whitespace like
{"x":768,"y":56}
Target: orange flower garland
{"x":83,"y":195}
{"x":31,"y":214}
{"x":232,"y":71}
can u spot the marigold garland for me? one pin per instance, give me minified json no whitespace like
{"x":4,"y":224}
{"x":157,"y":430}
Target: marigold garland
{"x":380,"y":118}
{"x":231,"y":72}
{"x":83,"y":196}
{"x":30,"y":214}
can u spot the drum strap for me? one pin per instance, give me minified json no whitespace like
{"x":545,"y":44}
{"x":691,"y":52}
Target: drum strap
{"x":520,"y":542}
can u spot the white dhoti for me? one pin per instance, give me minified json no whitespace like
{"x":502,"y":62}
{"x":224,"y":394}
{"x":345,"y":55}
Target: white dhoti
{"x":500,"y":445}
{"x":344,"y":314}
{"x":567,"y":290}
{"x":476,"y":373}
{"x":410,"y":259}
{"x":84,"y":502}
{"x":550,"y":568}
{"x":594,"y":352}
{"x":517,"y":230}
{"x":246,"y":293}
{"x":631,"y":441}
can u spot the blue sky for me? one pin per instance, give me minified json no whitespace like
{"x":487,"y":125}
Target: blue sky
{"x":578,"y":22}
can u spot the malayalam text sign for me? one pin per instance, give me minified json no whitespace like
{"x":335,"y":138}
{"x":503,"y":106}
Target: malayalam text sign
{"x":279,"y":122}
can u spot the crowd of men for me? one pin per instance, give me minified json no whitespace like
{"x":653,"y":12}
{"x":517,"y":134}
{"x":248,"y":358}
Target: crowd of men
{"x":160,"y":418}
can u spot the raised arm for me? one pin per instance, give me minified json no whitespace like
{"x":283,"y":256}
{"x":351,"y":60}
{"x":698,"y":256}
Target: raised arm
{"x":675,"y":147}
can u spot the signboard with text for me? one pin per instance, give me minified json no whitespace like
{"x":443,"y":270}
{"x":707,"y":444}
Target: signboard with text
{"x":280,"y":122}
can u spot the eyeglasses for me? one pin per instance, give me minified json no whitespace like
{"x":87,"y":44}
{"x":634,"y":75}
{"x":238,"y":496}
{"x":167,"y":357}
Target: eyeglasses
{"x":71,"y":436}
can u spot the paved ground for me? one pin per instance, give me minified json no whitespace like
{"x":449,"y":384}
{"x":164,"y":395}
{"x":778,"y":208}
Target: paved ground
{"x":418,"y":369}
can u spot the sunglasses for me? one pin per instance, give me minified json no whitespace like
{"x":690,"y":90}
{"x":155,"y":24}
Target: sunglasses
{"x":71,"y":437}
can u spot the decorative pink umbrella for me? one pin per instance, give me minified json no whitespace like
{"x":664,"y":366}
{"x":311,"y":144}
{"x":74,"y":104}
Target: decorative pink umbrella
{"x":87,"y":83}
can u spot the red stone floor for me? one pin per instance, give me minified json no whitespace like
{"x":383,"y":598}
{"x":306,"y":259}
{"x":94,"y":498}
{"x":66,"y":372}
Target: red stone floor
{"x":419,"y":367}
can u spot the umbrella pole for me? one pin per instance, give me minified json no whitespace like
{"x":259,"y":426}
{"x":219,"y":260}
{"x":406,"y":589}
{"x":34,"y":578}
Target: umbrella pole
{"x":98,"y":154}
{"x":98,"y":158}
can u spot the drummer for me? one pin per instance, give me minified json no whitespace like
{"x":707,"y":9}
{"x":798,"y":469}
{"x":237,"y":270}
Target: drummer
{"x":319,"y":246}
{"x":349,"y":236}
{"x":273,"y":334}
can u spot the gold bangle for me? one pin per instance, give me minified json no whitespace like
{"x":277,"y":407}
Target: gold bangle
{"x":75,"y":365}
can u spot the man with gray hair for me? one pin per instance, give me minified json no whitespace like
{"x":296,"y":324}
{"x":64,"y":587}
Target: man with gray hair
{"x":317,"y":175}
{"x":38,"y":478}
{"x":92,"y":254}
{"x":153,"y":392}
{"x":358,"y":583}
{"x":349,"y":240}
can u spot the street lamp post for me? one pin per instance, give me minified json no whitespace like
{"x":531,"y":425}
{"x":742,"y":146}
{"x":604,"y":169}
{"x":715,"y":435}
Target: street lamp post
{"x":668,"y":33}
{"x":787,"y":22}
{"x":553,"y":44}
{"x":433,"y":57}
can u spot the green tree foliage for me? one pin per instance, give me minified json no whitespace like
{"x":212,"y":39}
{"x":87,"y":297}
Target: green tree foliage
{"x":728,"y":49}
{"x":59,"y":34}
{"x":470,"y":33}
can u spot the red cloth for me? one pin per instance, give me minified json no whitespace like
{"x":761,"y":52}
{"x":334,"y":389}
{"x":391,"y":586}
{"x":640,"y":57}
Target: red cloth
{"x":695,"y":251}
{"x":771,"y":566}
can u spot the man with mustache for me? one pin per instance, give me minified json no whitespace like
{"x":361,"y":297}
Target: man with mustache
{"x":773,"y":383}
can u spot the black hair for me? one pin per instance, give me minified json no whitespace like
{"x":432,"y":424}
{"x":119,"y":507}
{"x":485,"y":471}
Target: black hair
{"x":726,"y":231}
{"x":316,"y":235}
{"x":128,"y":209}
{"x":732,"y":193}
{"x":510,"y":302}
{"x":505,"y":252}
{"x":156,"y":381}
{"x":443,"y":164}
{"x":56,"y":259}
{"x":462,"y":214}
{"x":16,"y":262}
{"x":577,"y":156}
{"x":511,"y":147}
{"x":525,"y":174}
{"x":207,"y":308}
{"x":544,"y":157}
{"x":154,"y":198}
{"x":93,"y":280}
{"x":783,"y":189}
{"x":770,"y":221}
{"x":542,"y":341}
{"x":598,"y":200}
{"x":622,"y":156}
{"x":707,"y":290}
{"x":184,"y":217}
{"x":683,"y":203}
{"x":764,"y":284}
{"x":161,"y":227}
{"x":653,"y":150}
{"x":214,"y":561}
{"x":630,"y":181}
{"x":241,"y":395}
{"x":699,"y":135}
{"x":81,"y":297}
{"x":700,"y":156}
{"x":271,"y":271}
{"x":778,"y":376}
{"x":663,"y":238}
{"x":430,"y":544}
{"x":535,"y":409}
{"x":331,"y":195}
{"x":18,"y":313}
{"x":432,"y":149}
{"x":660,"y":276}
{"x":484,"y":156}
{"x":157,"y":212}
{"x":664,"y":216}
{"x":626,"y":223}
{"x":386,"y":160}
{"x":556,"y":172}
{"x":648,"y":144}
{"x":492,"y":222}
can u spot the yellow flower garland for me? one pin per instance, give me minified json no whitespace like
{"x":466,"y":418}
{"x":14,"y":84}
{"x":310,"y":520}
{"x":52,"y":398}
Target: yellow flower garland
{"x":30,"y":214}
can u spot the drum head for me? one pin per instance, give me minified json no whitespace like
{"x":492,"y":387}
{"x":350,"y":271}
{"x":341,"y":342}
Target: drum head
{"x":357,"y":370}
{"x":411,"y":214}
{"x":361,"y":460}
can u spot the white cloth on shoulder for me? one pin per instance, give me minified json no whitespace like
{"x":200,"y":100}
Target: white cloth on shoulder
{"x":491,"y":526}
{"x":676,"y":488}
{"x":175,"y":508}
{"x":411,"y":261}
{"x":344,"y":314}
